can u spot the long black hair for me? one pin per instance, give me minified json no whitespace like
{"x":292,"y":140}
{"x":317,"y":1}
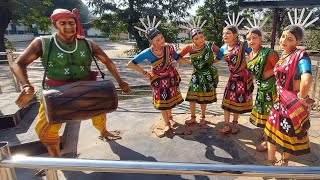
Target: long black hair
{"x":152,"y":32}
{"x":296,"y":30}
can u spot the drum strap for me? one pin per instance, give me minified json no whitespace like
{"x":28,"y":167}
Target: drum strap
{"x":49,"y":52}
{"x":94,"y":59}
{"x":46,"y":68}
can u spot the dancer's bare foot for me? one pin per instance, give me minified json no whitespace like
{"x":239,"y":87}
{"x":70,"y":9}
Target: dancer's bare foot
{"x":262,"y":147}
{"x":226,"y":129}
{"x":106,"y":135}
{"x":173,"y":124}
{"x":202,"y":121}
{"x":284,"y":162}
{"x":167,"y":128}
{"x":235,"y":127}
{"x":191,"y":121}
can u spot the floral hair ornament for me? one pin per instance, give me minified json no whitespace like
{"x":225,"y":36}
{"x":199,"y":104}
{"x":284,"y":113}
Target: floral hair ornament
{"x":234,"y":21}
{"x":194,"y":28}
{"x":298,"y":21}
{"x":151,"y":30}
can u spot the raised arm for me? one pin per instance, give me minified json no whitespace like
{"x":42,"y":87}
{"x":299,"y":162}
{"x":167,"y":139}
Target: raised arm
{"x":133,"y":64}
{"x":102,"y":56}
{"x":185,"y":50}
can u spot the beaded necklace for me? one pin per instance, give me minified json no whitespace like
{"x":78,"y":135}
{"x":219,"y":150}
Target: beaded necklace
{"x":69,"y":52}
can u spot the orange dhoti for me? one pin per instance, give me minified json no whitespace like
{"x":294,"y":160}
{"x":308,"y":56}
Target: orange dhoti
{"x":49,"y":133}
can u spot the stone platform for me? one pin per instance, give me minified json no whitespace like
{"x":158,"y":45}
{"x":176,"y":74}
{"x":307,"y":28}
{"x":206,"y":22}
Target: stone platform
{"x":21,"y":134}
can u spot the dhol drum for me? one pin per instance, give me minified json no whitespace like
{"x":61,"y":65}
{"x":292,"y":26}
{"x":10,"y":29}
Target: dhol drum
{"x":79,"y":101}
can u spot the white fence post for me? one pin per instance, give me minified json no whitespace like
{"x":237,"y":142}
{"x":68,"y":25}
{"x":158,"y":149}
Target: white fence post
{"x":6,"y":173}
{"x":15,"y":82}
{"x":51,"y":174}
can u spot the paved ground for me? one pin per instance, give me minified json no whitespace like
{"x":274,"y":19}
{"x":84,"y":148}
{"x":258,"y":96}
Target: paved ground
{"x":135,"y":119}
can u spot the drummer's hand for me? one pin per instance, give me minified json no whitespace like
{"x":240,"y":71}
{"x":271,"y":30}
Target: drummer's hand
{"x":125,"y":87}
{"x":25,"y":96}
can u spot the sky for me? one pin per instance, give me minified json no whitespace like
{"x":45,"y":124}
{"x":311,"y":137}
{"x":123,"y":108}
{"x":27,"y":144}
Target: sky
{"x":195,"y":7}
{"x":192,"y":11}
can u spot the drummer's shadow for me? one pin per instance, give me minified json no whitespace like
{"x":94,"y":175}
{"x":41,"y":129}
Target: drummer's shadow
{"x":124,"y":154}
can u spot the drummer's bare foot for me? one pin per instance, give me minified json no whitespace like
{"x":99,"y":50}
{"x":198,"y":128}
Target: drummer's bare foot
{"x":106,"y":135}
{"x":40,"y":172}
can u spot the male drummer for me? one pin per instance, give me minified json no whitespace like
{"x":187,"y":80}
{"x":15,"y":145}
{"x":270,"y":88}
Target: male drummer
{"x":68,"y":59}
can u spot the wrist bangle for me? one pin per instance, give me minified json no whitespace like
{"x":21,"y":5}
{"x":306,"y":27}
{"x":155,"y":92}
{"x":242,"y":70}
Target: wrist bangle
{"x":26,"y":85}
{"x":301,"y":98}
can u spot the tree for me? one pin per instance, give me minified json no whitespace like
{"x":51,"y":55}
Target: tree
{"x":26,"y":12}
{"x":128,"y":12}
{"x":215,"y":12}
{"x":23,"y":11}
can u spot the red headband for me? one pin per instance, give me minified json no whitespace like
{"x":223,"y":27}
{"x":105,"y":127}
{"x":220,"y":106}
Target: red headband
{"x":64,"y":13}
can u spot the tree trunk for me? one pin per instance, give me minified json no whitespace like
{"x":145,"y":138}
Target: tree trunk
{"x":2,"y":46}
{"x":5,"y":17}
{"x":134,"y":18}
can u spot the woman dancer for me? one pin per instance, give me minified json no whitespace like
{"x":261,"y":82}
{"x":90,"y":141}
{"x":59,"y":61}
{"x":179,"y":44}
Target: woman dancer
{"x":288,"y":121}
{"x":261,"y":63}
{"x":163,"y":76}
{"x":238,"y":92}
{"x":204,"y":79}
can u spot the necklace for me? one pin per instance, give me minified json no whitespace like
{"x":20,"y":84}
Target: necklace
{"x":157,"y":52}
{"x":284,"y":56}
{"x":196,"y":48}
{"x":69,"y":52}
{"x":229,"y":48}
{"x":255,"y":54}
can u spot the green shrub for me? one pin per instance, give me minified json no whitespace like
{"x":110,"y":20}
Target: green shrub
{"x":312,"y":39}
{"x":9,"y":45}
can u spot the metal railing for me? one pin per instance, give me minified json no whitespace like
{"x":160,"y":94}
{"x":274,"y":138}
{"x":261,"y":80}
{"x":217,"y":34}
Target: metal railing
{"x":8,"y":163}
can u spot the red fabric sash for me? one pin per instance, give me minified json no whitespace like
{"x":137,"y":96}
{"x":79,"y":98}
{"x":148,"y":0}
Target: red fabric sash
{"x":297,"y":111}
{"x":54,"y":83}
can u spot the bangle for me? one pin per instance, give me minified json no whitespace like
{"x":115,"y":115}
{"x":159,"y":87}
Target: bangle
{"x":144,"y":73}
{"x":26,"y":85}
{"x":301,"y":98}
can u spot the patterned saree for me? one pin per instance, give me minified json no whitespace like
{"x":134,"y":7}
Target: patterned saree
{"x":266,"y":92}
{"x":238,"y":92}
{"x":288,"y":120}
{"x":165,"y":81}
{"x":204,"y":79}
